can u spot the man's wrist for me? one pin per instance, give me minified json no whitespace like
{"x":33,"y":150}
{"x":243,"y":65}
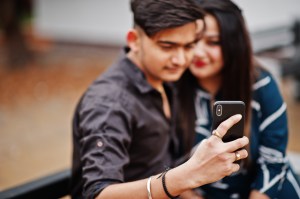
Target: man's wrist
{"x":165,"y":188}
{"x":179,"y":180}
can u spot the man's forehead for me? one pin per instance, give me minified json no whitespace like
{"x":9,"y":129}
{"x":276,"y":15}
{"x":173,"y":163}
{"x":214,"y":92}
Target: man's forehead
{"x":180,"y":35}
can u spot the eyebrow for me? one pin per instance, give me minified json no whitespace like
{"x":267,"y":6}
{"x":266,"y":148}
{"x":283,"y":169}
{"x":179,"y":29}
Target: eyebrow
{"x":177,"y":44}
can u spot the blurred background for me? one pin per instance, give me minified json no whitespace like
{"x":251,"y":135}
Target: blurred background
{"x":50,"y":51}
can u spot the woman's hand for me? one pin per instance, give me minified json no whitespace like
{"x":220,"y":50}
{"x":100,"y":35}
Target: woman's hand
{"x":257,"y":195}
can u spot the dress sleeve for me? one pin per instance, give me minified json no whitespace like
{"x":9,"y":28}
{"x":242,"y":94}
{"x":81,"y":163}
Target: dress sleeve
{"x":105,"y":139}
{"x":273,"y":134}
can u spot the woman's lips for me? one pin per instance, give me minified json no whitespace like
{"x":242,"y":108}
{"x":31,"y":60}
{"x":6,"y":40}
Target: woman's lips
{"x":199,"y":63}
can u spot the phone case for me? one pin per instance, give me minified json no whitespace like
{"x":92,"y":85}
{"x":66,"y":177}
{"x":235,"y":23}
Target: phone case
{"x":222,"y":110}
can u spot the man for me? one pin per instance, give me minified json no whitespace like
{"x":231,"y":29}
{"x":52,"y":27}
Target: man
{"x":124,"y":126}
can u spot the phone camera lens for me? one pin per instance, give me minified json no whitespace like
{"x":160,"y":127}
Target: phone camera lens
{"x":219,"y":110}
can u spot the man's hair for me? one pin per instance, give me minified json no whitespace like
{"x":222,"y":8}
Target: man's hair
{"x":155,"y":15}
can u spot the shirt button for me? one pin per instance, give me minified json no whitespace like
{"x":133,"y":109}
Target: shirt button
{"x":99,"y":143}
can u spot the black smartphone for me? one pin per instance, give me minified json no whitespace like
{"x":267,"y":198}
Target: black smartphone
{"x":222,"y":110}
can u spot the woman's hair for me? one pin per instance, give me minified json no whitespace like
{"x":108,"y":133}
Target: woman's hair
{"x":237,"y":72}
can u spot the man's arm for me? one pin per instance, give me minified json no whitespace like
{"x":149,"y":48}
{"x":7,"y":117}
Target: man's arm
{"x":211,"y":161}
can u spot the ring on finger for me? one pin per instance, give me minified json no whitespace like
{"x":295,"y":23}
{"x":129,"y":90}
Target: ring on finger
{"x":217,"y":134}
{"x":237,"y":156}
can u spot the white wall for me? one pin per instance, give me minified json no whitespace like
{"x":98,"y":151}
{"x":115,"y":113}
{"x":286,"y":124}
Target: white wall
{"x":107,"y":21}
{"x":264,"y":14}
{"x":92,"y":21}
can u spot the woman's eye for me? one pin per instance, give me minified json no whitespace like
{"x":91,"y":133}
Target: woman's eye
{"x":214,"y":43}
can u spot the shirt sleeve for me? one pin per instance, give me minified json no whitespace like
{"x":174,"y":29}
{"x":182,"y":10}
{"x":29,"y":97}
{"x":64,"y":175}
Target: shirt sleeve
{"x":96,"y":189}
{"x":273,"y":132}
{"x":105,"y":140}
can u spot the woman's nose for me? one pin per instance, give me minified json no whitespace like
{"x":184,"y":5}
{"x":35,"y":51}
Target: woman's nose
{"x":199,"y":49}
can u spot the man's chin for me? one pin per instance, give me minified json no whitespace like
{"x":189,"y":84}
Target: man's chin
{"x":172,"y":78}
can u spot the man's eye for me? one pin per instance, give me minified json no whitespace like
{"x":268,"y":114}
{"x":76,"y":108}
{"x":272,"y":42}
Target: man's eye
{"x":167,"y":47}
{"x":190,"y":46}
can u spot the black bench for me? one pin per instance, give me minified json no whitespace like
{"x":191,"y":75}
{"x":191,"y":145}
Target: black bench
{"x":52,"y":186}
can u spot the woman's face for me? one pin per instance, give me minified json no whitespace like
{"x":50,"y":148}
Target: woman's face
{"x":208,"y":59}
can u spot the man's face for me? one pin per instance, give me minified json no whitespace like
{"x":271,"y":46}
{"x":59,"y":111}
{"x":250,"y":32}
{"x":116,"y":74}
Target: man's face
{"x":165,"y":56}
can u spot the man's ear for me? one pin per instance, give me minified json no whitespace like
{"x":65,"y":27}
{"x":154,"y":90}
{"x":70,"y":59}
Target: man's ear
{"x":133,"y":39}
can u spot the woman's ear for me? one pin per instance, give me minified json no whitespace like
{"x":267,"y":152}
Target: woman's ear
{"x":133,"y":40}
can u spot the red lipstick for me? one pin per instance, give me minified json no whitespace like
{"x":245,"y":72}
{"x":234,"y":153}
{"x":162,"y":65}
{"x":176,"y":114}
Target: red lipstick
{"x":199,"y":63}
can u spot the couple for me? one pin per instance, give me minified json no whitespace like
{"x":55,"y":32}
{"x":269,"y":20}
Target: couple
{"x":128,"y":127}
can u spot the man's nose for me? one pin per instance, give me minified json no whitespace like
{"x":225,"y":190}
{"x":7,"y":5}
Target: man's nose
{"x":179,"y":57}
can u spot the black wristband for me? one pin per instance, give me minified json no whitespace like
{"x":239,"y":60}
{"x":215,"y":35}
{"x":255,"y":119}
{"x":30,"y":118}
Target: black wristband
{"x":164,"y":184}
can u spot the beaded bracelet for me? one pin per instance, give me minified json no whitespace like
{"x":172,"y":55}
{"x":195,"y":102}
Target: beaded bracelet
{"x":163,"y":175}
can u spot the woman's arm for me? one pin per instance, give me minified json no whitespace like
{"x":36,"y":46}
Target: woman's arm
{"x":272,"y":135}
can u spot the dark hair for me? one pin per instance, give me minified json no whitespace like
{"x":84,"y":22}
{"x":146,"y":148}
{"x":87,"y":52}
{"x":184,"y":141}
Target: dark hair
{"x":156,"y":15}
{"x":237,"y":71}
{"x":236,"y":49}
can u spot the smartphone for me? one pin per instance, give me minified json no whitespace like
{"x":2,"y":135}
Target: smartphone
{"x":222,"y":110}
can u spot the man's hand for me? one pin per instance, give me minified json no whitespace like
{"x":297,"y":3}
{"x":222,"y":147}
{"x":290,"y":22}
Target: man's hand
{"x":190,"y":194}
{"x":214,"y":159}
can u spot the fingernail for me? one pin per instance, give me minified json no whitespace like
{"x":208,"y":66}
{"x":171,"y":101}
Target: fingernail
{"x":239,"y":116}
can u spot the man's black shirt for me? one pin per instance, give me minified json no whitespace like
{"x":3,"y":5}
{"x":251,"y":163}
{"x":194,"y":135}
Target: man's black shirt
{"x":120,"y":132}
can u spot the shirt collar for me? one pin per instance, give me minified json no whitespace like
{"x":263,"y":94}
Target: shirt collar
{"x":134,"y":73}
{"x":205,"y":94}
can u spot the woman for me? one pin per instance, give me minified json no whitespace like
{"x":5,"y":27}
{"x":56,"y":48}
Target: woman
{"x":224,"y":69}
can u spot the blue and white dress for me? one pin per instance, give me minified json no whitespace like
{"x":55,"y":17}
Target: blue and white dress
{"x":272,"y":173}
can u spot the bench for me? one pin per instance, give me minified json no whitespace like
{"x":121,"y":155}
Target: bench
{"x":52,"y":186}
